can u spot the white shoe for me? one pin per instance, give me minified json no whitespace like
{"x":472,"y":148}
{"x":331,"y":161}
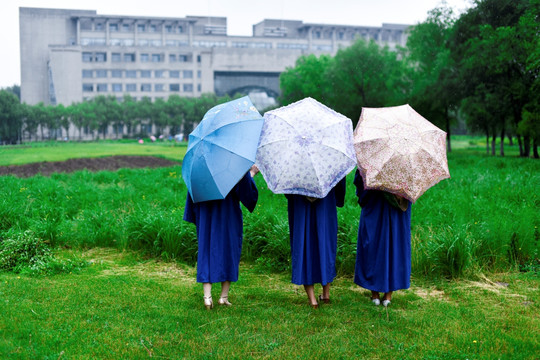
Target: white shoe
{"x":385,"y":303}
{"x":224,"y":301}
{"x":376,"y":302}
{"x":208,"y":303}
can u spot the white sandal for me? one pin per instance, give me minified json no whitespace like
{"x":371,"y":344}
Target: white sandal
{"x":208,"y":303}
{"x":224,"y":300}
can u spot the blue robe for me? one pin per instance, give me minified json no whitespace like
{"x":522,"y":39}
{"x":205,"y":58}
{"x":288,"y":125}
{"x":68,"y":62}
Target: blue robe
{"x":383,"y":255}
{"x":313,"y":231}
{"x":219,"y":231}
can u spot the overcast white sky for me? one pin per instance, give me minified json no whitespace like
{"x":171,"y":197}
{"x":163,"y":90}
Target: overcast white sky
{"x":241,"y":15}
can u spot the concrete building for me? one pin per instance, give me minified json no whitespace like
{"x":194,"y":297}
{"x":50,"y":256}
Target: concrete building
{"x":72,"y":55}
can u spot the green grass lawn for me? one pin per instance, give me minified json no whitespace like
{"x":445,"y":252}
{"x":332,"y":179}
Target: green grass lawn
{"x":479,"y":228}
{"x":60,"y":151}
{"x":124,"y":306}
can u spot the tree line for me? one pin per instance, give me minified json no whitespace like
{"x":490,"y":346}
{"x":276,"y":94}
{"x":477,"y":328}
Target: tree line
{"x":481,"y":66}
{"x":95,"y":116}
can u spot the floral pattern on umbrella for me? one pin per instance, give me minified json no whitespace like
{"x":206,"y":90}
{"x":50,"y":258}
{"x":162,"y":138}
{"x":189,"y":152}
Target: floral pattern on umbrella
{"x":305,"y":148}
{"x":399,"y":151}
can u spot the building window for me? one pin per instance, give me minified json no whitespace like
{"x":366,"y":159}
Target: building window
{"x":341,"y":35}
{"x":141,"y":28}
{"x":101,"y":73}
{"x":172,"y":58}
{"x":155,"y":43}
{"x":174,"y":74}
{"x":187,"y":74}
{"x":145,"y":57}
{"x":159,"y":87}
{"x":132,"y":74}
{"x":153,"y":28}
{"x":98,"y":27}
{"x":113,"y":27}
{"x":143,"y":42}
{"x":129,"y":57}
{"x":199,"y":87}
{"x":87,"y":73}
{"x":317,"y":34}
{"x":87,"y":57}
{"x":87,"y":87}
{"x":174,"y":87}
{"x":116,"y":73}
{"x":102,"y":87}
{"x":101,"y":57}
{"x":159,"y":74}
{"x":146,"y":87}
{"x":116,"y":57}
{"x":180,"y":29}
{"x":198,"y":58}
{"x":126,"y":27}
{"x":188,"y":87}
{"x":168,"y":28}
{"x":146,"y":73}
{"x":131,"y":87}
{"x":117,"y":87}
{"x":183,"y":58}
{"x":199,"y":74}
{"x":157,"y":57}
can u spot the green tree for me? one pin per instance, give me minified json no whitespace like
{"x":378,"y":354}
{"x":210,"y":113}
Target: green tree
{"x":491,"y":45}
{"x":306,"y":79}
{"x":10,"y":118}
{"x":433,"y":77}
{"x":365,"y":75}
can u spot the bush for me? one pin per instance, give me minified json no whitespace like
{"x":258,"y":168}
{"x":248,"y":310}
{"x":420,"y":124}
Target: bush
{"x":25,"y":253}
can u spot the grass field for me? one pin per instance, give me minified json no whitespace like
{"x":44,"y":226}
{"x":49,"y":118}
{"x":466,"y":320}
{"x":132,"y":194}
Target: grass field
{"x":122,"y":282}
{"x":124,"y":306}
{"x":60,"y":151}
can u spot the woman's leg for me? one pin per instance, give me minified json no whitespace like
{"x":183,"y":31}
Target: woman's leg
{"x":224,"y":298}
{"x":207,"y":290}
{"x":386,"y":298}
{"x":375,"y":298}
{"x":310,"y":291}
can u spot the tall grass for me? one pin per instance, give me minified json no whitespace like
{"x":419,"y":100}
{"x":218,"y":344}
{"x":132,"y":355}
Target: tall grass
{"x":485,"y":218}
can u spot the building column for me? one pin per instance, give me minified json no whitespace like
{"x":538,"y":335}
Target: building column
{"x":78,"y":35}
{"x":107,"y":32}
{"x":190,"y":34}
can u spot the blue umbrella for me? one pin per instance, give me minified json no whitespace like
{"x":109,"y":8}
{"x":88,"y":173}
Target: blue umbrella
{"x":221,"y":149}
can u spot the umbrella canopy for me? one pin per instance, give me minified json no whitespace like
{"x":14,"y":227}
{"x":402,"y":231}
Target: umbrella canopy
{"x":305,"y":148}
{"x":399,"y":151}
{"x":221,"y":149}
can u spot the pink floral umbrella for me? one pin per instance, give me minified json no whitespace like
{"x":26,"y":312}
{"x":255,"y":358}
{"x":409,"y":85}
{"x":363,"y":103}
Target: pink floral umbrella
{"x":305,"y":148}
{"x":399,"y":151}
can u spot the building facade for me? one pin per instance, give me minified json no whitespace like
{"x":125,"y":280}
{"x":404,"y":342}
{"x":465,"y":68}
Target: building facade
{"x":73,"y":55}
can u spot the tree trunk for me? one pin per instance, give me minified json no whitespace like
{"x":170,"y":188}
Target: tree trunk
{"x":535,"y":147}
{"x":526,"y":146}
{"x":510,"y":139}
{"x":520,"y":145}
{"x":493,"y":140}
{"x":502,"y":140}
{"x":448,"y":141}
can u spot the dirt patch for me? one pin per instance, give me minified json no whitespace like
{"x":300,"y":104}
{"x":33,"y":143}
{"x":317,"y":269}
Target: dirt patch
{"x":110,"y":163}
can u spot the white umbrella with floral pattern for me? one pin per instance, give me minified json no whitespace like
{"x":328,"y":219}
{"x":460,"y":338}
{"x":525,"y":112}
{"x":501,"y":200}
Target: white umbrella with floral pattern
{"x":305,"y":148}
{"x":399,"y":151}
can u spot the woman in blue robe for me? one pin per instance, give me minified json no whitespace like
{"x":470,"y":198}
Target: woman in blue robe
{"x":313,"y":231}
{"x":219,"y":233}
{"x":383,"y":255}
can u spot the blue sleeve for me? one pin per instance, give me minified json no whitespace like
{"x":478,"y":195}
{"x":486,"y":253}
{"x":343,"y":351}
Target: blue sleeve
{"x":360,"y":191}
{"x":189,"y":211}
{"x":341,"y":187}
{"x":247,"y":192}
